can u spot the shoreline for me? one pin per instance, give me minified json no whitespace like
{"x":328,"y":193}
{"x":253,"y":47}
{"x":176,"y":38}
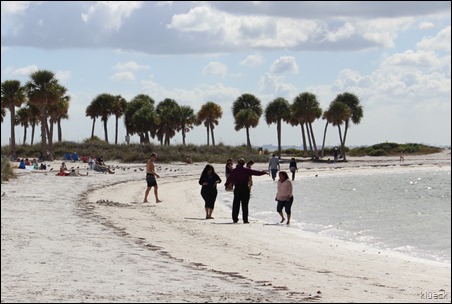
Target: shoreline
{"x":228,"y":262}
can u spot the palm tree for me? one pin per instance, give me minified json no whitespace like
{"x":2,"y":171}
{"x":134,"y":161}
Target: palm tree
{"x":3,"y":114}
{"x":60,"y":111}
{"x":168,"y":114}
{"x":306,"y":110}
{"x":246,"y":110}
{"x":103,"y":105}
{"x":187,"y":120}
{"x":209,"y":114}
{"x":23,"y":119}
{"x":13,"y":95}
{"x":353,"y":102}
{"x":34,"y":119}
{"x":43,"y":90}
{"x":140,"y":117}
{"x":275,"y":112}
{"x":119,"y":106}
{"x":336,"y":114}
{"x":56,"y":112}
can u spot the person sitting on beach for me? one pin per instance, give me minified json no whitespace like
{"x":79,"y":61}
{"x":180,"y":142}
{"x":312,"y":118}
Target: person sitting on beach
{"x":284,"y":196}
{"x":22,"y":164}
{"x":43,"y":166}
{"x":76,"y":173}
{"x":209,"y":180}
{"x":63,"y":170}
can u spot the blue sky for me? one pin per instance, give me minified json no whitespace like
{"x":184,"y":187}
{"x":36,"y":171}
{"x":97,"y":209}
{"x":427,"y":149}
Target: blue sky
{"x":395,"y":56}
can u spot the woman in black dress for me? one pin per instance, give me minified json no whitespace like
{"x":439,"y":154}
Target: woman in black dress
{"x":209,"y":180}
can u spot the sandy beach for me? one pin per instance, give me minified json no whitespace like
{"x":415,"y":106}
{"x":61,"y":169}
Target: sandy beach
{"x":91,"y":239}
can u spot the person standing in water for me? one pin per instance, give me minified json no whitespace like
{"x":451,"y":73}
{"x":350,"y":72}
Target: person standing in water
{"x":284,"y":196}
{"x":151,"y":180}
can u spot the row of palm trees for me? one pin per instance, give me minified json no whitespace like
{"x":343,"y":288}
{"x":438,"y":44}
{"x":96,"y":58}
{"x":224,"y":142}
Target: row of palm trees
{"x":47,"y":104}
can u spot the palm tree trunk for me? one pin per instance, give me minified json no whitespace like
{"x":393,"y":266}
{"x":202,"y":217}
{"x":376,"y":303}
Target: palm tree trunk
{"x":60,"y":131}
{"x":324,"y":137}
{"x":106,"y":130}
{"x":183,"y":135}
{"x":116,"y":131}
{"x":50,"y":135}
{"x":13,"y":129}
{"x":208,"y":138}
{"x":345,"y":136}
{"x":33,"y":125}
{"x":248,"y":141}
{"x":278,"y":131}
{"x":25,"y":134}
{"x":308,"y":133}
{"x":211,"y":133}
{"x":43,"y":131}
{"x":340,"y":139}
{"x":92,"y":130}
{"x":313,"y":141}
{"x":303,"y":139}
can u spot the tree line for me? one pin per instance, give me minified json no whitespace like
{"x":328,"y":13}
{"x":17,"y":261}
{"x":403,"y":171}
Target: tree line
{"x":46,"y":103}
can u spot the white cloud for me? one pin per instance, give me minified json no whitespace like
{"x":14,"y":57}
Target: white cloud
{"x":273,"y":86}
{"x":63,"y":75}
{"x":130,"y":66}
{"x":14,"y":7}
{"x":344,"y":32}
{"x":215,"y":68}
{"x":25,"y":71}
{"x":110,"y":14}
{"x":425,"y":25}
{"x":252,"y":60}
{"x":123,"y":75}
{"x":440,"y":42}
{"x":285,"y":64}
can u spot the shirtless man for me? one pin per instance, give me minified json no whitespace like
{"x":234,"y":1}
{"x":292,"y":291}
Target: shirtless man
{"x":151,"y":181}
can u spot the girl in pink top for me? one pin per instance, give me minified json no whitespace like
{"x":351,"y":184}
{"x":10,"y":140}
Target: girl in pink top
{"x":284,"y":196}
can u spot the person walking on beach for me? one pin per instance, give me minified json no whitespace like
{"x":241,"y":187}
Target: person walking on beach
{"x":228,"y":168}
{"x":402,"y":158}
{"x":273,"y":165}
{"x":240,"y":177}
{"x":335,"y":154}
{"x":209,"y":180}
{"x":293,"y":167}
{"x":151,"y":180}
{"x":284,"y":196}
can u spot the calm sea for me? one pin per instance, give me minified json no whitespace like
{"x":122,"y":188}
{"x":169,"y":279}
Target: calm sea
{"x":403,"y":212}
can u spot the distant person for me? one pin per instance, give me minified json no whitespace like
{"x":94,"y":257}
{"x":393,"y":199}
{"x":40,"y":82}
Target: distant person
{"x":151,"y":180}
{"x":335,"y":154}
{"x":402,"y":157}
{"x":228,"y":168}
{"x":250,"y":181}
{"x":209,"y":180}
{"x":284,"y":196}
{"x":240,"y":177}
{"x":293,"y":167}
{"x":63,"y":170}
{"x":22,"y":164}
{"x":273,"y":166}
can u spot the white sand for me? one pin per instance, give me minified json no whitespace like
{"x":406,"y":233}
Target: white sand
{"x":86,"y":239}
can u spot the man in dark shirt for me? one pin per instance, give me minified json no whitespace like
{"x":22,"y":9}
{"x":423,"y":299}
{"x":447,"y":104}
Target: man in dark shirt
{"x":239,"y":178}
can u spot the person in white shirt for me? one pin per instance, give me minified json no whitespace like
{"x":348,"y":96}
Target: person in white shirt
{"x":284,"y":196}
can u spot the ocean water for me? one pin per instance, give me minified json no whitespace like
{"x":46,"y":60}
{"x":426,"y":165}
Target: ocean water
{"x":408,"y":213}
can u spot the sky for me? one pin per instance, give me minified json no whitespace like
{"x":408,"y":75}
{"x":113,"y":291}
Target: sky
{"x":395,"y":56}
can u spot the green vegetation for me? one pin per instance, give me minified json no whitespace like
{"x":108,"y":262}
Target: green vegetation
{"x":7,"y":170}
{"x":382,"y":149}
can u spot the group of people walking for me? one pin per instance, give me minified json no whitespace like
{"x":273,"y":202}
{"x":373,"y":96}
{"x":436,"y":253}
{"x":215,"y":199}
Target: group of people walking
{"x":239,"y":181}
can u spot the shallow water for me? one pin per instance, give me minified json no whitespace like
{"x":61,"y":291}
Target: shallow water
{"x":403,"y":212}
